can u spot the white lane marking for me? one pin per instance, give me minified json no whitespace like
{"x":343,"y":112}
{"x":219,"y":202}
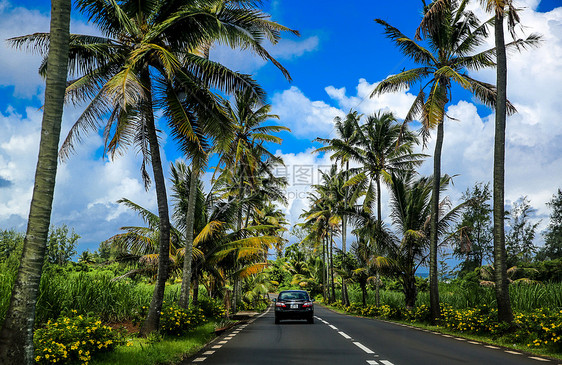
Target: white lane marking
{"x":372,"y":362}
{"x":460,"y":339}
{"x":474,"y":342}
{"x":513,"y":352}
{"x":538,"y":358}
{"x":217,"y":346}
{"x":207,"y":353}
{"x":345,"y":335}
{"x":222,"y":342}
{"x":492,"y":347}
{"x":446,"y":336}
{"x":333,"y":327}
{"x":200,"y":359}
{"x":363,"y":347}
{"x":386,"y":362}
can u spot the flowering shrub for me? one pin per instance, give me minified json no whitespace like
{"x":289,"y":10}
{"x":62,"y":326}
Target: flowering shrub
{"x":212,"y":308}
{"x":538,"y":328}
{"x":73,"y":340}
{"x":177,"y":321}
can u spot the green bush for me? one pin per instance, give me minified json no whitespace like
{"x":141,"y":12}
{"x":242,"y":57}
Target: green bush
{"x":73,"y":340}
{"x":178,"y":321}
{"x":212,"y":307}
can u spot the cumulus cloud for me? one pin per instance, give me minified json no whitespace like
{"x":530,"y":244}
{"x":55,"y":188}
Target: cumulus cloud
{"x":87,"y":187}
{"x":18,"y":68}
{"x":305,"y":117}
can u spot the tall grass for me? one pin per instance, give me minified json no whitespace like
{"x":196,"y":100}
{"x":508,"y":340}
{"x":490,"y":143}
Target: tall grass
{"x":523,"y":297}
{"x":86,"y":292}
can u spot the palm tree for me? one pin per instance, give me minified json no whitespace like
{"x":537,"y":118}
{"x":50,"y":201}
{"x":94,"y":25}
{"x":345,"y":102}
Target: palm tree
{"x":245,"y":154}
{"x":16,"y":335}
{"x":410,"y":212}
{"x":149,"y":55}
{"x":453,"y":33}
{"x":500,"y":8}
{"x":346,"y":132}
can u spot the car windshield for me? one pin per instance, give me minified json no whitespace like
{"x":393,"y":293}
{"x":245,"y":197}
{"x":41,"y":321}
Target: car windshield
{"x":293,"y":296}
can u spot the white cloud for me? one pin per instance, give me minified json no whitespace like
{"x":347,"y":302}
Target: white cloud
{"x":305,"y":117}
{"x":398,"y":103}
{"x":18,"y":68}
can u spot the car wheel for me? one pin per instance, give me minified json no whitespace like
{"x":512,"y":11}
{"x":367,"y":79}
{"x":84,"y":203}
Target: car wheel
{"x":310,"y":320}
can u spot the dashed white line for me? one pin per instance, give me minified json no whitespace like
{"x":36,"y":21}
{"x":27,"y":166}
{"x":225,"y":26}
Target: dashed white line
{"x":474,"y":342}
{"x":207,"y":353}
{"x":538,"y":358}
{"x":446,"y":336}
{"x":513,"y":352}
{"x":217,"y":346}
{"x":460,"y":339}
{"x":491,"y":347}
{"x":372,"y":362}
{"x":386,"y":362}
{"x":363,"y":347}
{"x":200,"y":359}
{"x":345,"y":335}
{"x":222,"y":342}
{"x":333,"y":327}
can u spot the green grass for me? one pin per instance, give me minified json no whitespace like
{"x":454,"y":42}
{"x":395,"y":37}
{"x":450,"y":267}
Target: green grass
{"x":170,"y":350}
{"x":523,"y":297}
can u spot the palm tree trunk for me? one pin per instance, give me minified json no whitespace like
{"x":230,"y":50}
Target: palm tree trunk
{"x":187,"y":259}
{"x":379,"y":236}
{"x":333,"y":296}
{"x":502,"y":284}
{"x":325,"y":270}
{"x":377,"y":289}
{"x":434,"y":237}
{"x":236,"y":286}
{"x":152,"y":321}
{"x":195,"y":300}
{"x":16,"y":335}
{"x":345,"y":296}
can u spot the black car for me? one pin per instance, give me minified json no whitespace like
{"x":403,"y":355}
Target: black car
{"x":294,"y":304}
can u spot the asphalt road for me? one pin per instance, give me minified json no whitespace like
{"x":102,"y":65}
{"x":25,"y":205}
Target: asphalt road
{"x":339,"y":339}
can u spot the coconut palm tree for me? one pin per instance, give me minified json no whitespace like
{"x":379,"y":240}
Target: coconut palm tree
{"x":500,"y":9}
{"x":149,"y":55}
{"x":16,"y":335}
{"x":453,"y":34}
{"x":410,"y":204}
{"x":346,"y":133}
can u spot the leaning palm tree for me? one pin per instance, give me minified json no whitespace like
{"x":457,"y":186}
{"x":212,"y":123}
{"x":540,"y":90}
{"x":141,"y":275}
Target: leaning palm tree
{"x":149,"y":55}
{"x":16,"y":335}
{"x":453,"y":34}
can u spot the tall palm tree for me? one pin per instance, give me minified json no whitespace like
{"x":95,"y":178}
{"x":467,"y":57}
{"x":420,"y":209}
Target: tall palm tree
{"x":346,"y":133}
{"x":381,"y":146}
{"x":500,"y":8}
{"x":453,"y":34}
{"x":245,"y":154}
{"x":16,"y":335}
{"x":149,"y":56}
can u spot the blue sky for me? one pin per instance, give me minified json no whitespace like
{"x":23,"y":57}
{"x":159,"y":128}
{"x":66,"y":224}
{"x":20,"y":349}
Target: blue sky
{"x":335,"y":64}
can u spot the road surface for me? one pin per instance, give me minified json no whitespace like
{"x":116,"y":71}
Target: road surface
{"x":339,"y":339}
